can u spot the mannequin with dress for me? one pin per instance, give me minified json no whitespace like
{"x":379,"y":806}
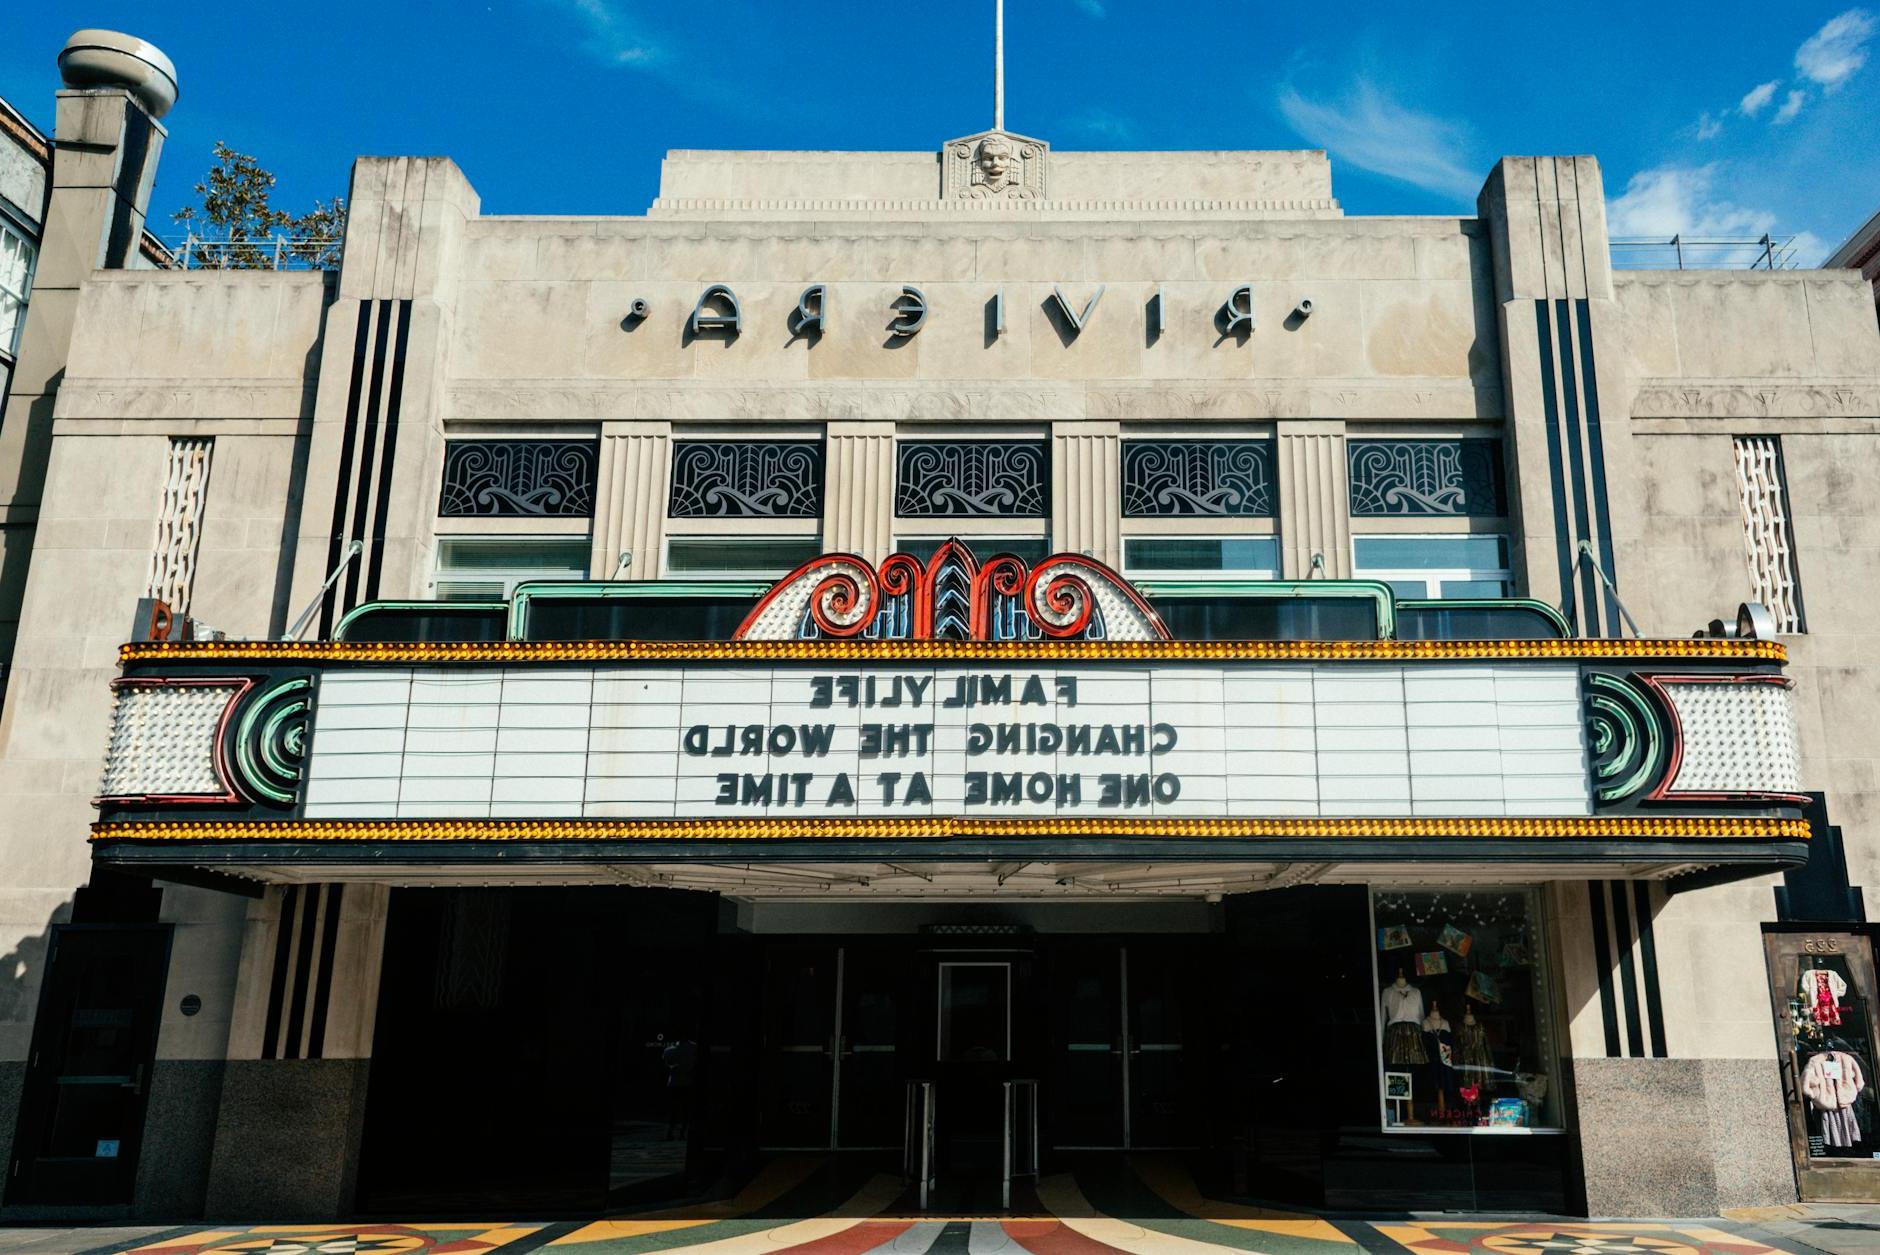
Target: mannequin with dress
{"x":1402,"y":1004}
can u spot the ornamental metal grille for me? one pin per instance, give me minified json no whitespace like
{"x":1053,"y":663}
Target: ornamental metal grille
{"x":519,"y":478}
{"x":1456,"y":477}
{"x":1198,"y":477}
{"x":1768,"y":538}
{"x":972,"y":479}
{"x":179,"y":524}
{"x":773,"y":479}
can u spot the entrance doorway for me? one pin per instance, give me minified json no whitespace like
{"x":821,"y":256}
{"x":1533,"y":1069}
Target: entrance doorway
{"x":88,"y":1075}
{"x":1822,"y":983}
{"x":1115,"y":1036}
{"x":1132,"y":1048}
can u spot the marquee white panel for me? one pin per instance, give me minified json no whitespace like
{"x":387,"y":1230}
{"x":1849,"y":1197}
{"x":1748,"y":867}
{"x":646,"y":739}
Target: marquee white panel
{"x":1217,"y":740}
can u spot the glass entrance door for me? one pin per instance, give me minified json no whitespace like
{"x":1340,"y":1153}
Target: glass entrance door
{"x":1127,"y":1059}
{"x":834,"y":1047}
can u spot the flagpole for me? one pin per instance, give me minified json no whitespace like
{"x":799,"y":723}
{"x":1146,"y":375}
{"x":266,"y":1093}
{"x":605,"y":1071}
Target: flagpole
{"x":998,"y":66}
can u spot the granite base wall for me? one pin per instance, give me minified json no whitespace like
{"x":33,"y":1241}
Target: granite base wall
{"x":12,"y":1084}
{"x":179,"y":1139}
{"x":1682,"y":1137}
{"x":287,"y":1140}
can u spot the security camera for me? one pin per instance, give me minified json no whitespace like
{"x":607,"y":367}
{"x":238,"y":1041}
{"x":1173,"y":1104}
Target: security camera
{"x":1304,"y":308}
{"x":639,"y":308}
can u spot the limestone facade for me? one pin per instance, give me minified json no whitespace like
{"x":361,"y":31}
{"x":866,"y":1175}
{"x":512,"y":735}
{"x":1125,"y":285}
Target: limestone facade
{"x":452,"y":323}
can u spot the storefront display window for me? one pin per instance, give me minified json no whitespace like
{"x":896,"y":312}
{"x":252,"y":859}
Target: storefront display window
{"x":1832,"y":1042}
{"x":1464,"y":1040}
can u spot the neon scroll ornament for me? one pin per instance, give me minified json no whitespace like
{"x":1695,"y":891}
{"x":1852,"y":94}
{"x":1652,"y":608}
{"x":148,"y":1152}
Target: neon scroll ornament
{"x":953,"y":596}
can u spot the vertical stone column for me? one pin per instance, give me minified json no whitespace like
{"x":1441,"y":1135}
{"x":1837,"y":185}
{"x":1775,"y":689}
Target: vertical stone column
{"x":104,"y":161}
{"x":1314,"y":501}
{"x":630,"y":502}
{"x":1086,"y":490}
{"x":1563,"y":381}
{"x":375,"y":457}
{"x":292,"y":1108}
{"x":858,"y":489}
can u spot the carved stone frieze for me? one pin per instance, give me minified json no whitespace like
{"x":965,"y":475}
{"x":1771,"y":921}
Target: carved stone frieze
{"x":1755,"y":399}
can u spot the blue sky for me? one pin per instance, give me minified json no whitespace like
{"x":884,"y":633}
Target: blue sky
{"x":1713,"y":118}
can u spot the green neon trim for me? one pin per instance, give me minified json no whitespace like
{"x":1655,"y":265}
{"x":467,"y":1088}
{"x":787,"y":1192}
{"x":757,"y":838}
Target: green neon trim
{"x":270,"y":749}
{"x":1634,"y":722}
{"x":374,"y":607}
{"x":262,"y":710}
{"x":1554,"y":618}
{"x":1284,"y":590}
{"x":622,"y":590}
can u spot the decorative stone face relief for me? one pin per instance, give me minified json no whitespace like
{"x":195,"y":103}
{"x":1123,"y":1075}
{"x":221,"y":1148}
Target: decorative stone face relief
{"x":993,"y":165}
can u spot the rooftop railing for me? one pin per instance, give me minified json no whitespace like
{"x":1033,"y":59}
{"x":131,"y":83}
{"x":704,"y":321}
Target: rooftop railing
{"x":1681,"y":252}
{"x":194,"y":252}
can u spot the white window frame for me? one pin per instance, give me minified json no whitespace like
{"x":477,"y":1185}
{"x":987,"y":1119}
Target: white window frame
{"x":979,"y":532}
{"x":736,"y":527}
{"x":1223,"y":574}
{"x":12,"y":236}
{"x":510,"y":576}
{"x":1432,"y":577}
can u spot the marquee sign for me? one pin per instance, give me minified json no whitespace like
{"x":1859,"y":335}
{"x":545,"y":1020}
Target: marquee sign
{"x":950,"y":691}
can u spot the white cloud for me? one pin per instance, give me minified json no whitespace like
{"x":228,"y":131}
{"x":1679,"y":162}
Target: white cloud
{"x":1105,"y":127}
{"x":1833,"y":53}
{"x":1708,"y":126}
{"x":1375,"y":133}
{"x":1758,"y":97}
{"x":1790,"y":107}
{"x":1673,"y":200}
{"x":1091,"y":8}
{"x":613,"y":36}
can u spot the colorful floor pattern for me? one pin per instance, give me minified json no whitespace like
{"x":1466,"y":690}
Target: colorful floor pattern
{"x":1150,"y":1208}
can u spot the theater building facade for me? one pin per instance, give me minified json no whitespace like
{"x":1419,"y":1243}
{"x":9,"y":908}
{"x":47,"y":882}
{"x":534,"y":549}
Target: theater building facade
{"x":971,"y":665}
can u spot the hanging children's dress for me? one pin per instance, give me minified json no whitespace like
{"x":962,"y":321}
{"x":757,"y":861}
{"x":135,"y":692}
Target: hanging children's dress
{"x":1821,"y":992}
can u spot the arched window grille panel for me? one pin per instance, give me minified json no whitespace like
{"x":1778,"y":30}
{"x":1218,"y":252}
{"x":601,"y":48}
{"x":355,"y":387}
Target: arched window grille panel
{"x":1427,"y":477}
{"x":1192,"y":478}
{"x":972,"y":479}
{"x":519,"y":478}
{"x":776,"y":479}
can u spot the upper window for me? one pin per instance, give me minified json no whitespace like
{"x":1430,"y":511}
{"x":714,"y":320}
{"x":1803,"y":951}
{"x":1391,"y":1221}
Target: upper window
{"x":17,"y":255}
{"x":972,"y":479}
{"x":1187,"y":478}
{"x":775,"y":479}
{"x":1427,"y":477}
{"x":1459,"y":565}
{"x":488,"y":568}
{"x":724,"y":557}
{"x":519,"y":478}
{"x":1201,"y":557}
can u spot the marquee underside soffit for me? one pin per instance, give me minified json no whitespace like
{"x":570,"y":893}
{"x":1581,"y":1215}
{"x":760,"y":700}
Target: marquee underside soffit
{"x":1007,"y":880}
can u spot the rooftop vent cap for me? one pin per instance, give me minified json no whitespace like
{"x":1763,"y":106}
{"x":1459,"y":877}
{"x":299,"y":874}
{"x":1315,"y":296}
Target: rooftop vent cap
{"x":101,"y":58}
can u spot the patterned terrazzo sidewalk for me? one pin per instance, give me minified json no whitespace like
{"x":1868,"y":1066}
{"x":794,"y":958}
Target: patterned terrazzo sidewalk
{"x":1157,"y":1210}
